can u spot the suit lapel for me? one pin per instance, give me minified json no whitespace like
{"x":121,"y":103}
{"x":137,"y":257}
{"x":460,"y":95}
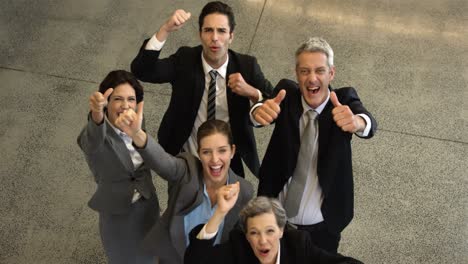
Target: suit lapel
{"x":120,"y":149}
{"x":325,"y":125}
{"x":231,"y":68}
{"x":296,"y":110}
{"x":199,"y":76}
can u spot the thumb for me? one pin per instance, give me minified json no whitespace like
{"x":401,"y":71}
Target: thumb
{"x":280,"y":96}
{"x":334,"y":99}
{"x":140,"y":109}
{"x":107,"y":93}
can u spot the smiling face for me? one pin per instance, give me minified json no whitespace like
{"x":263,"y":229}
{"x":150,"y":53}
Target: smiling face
{"x":215,"y":155}
{"x":122,"y":98}
{"x":314,"y":75}
{"x":264,"y":234}
{"x":215,"y":36}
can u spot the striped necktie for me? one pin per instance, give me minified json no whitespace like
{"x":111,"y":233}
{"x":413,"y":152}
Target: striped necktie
{"x":211,"y":107}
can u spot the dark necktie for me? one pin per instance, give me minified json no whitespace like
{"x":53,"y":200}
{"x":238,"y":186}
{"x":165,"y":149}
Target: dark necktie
{"x":306,"y":165}
{"x":211,"y":107}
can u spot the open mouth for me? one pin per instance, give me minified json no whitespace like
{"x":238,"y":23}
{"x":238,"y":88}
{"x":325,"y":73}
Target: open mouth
{"x":313,"y":90}
{"x":264,"y":252}
{"x":216,"y":170}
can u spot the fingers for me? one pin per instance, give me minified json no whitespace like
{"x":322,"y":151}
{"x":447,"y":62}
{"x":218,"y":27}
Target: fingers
{"x":229,"y":191}
{"x":235,"y":79}
{"x":180,"y":17}
{"x":177,"y":20}
{"x":269,"y":111}
{"x":342,"y":115}
{"x":334,"y":99}
{"x":280,"y":96}
{"x":345,"y":118}
{"x":266,"y":113}
{"x":97,"y":102}
{"x":238,"y":85}
{"x":107,"y":93}
{"x":140,"y":110}
{"x":126,"y":118}
{"x":233,"y":189}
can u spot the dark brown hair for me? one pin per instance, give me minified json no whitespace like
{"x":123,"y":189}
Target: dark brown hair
{"x":118,"y":77}
{"x":211,"y":127}
{"x":217,"y":7}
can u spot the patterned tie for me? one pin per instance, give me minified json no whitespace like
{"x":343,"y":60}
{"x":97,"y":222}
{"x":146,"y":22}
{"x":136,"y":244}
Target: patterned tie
{"x":304,"y":167}
{"x":211,"y":107}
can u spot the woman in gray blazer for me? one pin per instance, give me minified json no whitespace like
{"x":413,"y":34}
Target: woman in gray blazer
{"x":125,"y":197}
{"x":193,"y":184}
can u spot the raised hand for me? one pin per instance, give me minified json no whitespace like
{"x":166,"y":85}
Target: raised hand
{"x":269,"y":110}
{"x":175,"y":22}
{"x":345,"y":118}
{"x":227,"y":196}
{"x":130,"y":121}
{"x":238,"y":86}
{"x":97,"y":103}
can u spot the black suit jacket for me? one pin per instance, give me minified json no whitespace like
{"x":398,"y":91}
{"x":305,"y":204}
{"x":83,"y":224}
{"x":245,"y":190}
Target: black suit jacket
{"x":296,"y":248}
{"x":184,"y":70}
{"x":334,"y":166}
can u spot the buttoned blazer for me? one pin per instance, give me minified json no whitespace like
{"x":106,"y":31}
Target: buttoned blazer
{"x":184,"y":71}
{"x":185,"y":179}
{"x":296,"y":248}
{"x":334,"y":165}
{"x":111,"y":165}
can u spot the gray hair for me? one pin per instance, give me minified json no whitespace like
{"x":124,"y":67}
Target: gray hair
{"x":316,"y":44}
{"x":262,"y":205}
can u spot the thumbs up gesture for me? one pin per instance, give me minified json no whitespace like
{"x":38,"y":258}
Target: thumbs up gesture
{"x":344,"y":117}
{"x":269,"y":110}
{"x":97,"y":103}
{"x":130,"y":121}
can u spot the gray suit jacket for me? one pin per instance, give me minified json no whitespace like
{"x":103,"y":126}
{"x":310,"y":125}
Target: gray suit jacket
{"x":110,"y":163}
{"x":185,"y":178}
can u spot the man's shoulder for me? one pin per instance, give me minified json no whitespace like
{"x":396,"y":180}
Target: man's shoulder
{"x":192,"y":51}
{"x":287,"y":84}
{"x":344,"y":90}
{"x":346,"y":93}
{"x":240,"y":57}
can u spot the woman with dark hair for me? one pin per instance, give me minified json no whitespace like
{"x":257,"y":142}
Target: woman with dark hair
{"x":262,"y":237}
{"x":125,"y":197}
{"x":193,"y":184}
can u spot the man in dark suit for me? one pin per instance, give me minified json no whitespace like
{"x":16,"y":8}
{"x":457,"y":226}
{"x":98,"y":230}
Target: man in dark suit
{"x":209,"y":81}
{"x":312,"y":175}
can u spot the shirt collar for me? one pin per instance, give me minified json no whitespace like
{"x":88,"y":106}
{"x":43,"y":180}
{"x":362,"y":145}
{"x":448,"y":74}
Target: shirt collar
{"x":221,"y":70}
{"x":279,"y":254}
{"x":319,"y":109}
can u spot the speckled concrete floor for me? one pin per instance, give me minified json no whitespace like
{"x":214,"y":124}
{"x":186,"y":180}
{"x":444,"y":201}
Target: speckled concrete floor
{"x":408,"y":60}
